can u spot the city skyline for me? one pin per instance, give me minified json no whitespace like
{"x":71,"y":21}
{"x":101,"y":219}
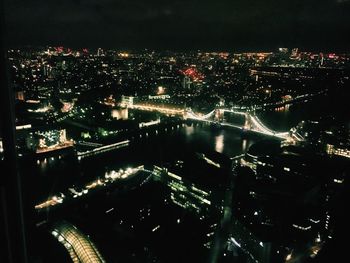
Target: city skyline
{"x":178,"y":131}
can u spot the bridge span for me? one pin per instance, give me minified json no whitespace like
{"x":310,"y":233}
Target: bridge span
{"x":79,"y":246}
{"x":252,"y":122}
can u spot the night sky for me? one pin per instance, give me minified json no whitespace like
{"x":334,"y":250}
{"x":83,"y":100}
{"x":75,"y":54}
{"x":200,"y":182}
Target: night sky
{"x":239,"y":25}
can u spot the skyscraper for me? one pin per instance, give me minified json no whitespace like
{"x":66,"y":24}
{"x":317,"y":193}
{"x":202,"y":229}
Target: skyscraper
{"x":186,"y":83}
{"x":100,"y":52}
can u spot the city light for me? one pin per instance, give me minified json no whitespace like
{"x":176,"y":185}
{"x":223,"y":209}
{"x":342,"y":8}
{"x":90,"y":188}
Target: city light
{"x":161,"y":90}
{"x":289,"y":257}
{"x":244,"y":153}
{"x":73,"y":192}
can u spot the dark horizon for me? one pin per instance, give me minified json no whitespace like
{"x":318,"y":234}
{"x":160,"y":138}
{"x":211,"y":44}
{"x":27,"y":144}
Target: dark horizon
{"x":181,"y":25}
{"x":184,"y":51}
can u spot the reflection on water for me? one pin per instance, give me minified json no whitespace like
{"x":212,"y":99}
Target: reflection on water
{"x":244,"y":145}
{"x":189,"y":130}
{"x":219,"y":143}
{"x":283,"y":108}
{"x":120,"y":114}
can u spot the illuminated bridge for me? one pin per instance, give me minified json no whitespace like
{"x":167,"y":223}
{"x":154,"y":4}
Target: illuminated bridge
{"x":78,"y":245}
{"x":252,"y":122}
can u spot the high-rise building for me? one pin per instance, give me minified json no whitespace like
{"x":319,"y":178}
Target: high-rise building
{"x":20,"y":95}
{"x":186,"y":83}
{"x":322,"y":61}
{"x":48,"y":140}
{"x":295,"y":52}
{"x":127,"y":101}
{"x":47,"y":69}
{"x":100,"y":52}
{"x":283,"y":50}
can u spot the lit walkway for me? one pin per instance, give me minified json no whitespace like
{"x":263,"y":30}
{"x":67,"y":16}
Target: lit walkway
{"x":79,"y":246}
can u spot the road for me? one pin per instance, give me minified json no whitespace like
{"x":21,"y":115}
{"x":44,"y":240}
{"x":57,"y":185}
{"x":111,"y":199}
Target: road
{"x":223,"y":230}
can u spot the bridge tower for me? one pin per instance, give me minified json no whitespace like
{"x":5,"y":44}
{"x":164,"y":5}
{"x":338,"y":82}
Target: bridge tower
{"x":247,"y":122}
{"x":219,"y":115}
{"x":186,"y":113}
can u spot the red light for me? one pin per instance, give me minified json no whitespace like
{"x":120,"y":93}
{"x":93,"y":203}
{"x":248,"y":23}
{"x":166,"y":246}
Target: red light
{"x":192,"y":73}
{"x":59,"y":49}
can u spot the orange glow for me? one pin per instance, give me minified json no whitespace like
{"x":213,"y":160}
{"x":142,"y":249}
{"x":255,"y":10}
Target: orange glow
{"x":193,"y":73}
{"x":161,"y":90}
